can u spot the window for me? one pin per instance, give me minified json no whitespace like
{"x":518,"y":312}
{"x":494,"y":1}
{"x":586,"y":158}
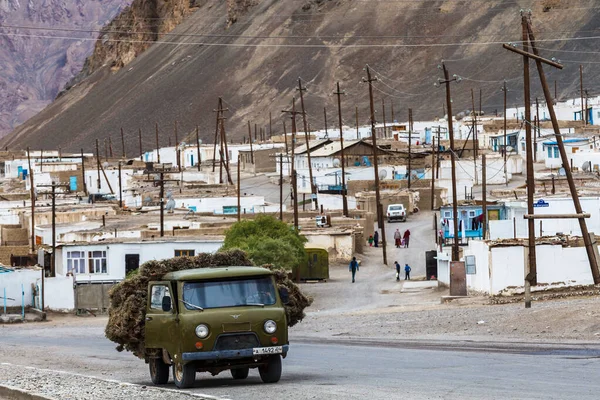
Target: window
{"x":549,"y":152}
{"x":556,"y":152}
{"x":76,"y":262}
{"x":471,"y":213}
{"x":97,"y":262}
{"x":447,"y":214}
{"x":159,"y":292}
{"x":186,"y":253}
{"x":232,"y":293}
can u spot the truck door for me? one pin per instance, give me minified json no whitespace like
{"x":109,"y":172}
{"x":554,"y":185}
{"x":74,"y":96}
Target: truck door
{"x":161,"y":314}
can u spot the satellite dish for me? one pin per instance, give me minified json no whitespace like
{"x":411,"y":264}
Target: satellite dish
{"x":587,"y":166}
{"x":336,"y":162}
{"x":170,"y":206}
{"x":382,"y":173}
{"x":561,"y":172}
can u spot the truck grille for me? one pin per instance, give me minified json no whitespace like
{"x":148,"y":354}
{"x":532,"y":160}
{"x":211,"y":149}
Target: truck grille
{"x":237,"y":341}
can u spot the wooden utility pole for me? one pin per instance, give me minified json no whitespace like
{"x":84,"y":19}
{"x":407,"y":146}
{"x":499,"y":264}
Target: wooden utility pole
{"x":583,"y":116}
{"x":239,"y":188}
{"x":215,"y":143}
{"x":437,"y":152}
{"x":85,"y":191}
{"x":280,"y":187}
{"x":555,"y":91}
{"x":484,"y":196}
{"x":433,"y":175}
{"x":224,"y":151}
{"x":410,"y":129}
{"x":313,"y":191}
{"x":504,"y":90}
{"x":250,"y":140}
{"x":474,"y":129}
{"x":325,"y":118}
{"x":157,"y":145}
{"x":447,"y":80}
{"x":120,"y":188}
{"x":393,"y":118}
{"x":98,"y":164}
{"x":123,"y":144}
{"x":199,"y":162}
{"x":140,"y":144}
{"x":285,"y":138}
{"x":586,"y":107}
{"x":32,"y":195}
{"x":294,"y":180}
{"x":270,"y":126}
{"x":380,"y":221}
{"x":339,"y":93}
{"x":356,"y":113}
{"x":385,"y":135}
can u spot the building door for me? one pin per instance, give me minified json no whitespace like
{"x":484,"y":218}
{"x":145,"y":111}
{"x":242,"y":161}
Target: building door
{"x":73,"y":183}
{"x":132,"y":262}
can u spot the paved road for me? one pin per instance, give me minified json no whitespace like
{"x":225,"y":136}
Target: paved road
{"x":338,"y":371}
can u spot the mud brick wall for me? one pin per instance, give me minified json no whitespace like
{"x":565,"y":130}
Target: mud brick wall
{"x":6,"y":251}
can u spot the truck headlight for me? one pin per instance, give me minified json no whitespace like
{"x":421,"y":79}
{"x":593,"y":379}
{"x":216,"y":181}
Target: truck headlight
{"x":270,"y":327}
{"x":202,"y":331}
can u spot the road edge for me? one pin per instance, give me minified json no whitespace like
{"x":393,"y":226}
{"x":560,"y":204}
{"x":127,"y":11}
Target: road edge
{"x":13,"y":393}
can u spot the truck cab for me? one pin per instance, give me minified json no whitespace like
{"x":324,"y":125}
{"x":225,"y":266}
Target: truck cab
{"x":215,"y":319}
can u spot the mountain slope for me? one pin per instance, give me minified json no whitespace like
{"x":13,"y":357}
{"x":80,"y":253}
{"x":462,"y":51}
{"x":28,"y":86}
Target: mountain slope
{"x":254,"y":64}
{"x":34,"y":69}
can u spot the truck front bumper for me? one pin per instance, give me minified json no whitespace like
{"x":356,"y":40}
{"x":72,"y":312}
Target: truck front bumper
{"x":226,"y":354}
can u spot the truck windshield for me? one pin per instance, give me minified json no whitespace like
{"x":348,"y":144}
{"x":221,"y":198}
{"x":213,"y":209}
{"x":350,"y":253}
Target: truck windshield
{"x":229,"y":293}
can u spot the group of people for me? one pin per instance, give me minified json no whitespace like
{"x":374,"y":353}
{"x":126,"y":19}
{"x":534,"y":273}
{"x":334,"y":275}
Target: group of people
{"x":402,"y":240}
{"x":354,"y":267}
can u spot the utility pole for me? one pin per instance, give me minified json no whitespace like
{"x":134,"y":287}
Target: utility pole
{"x":250,"y":139}
{"x":120,"y":188}
{"x":224,"y":151}
{"x":140,"y":143}
{"x":339,"y":93}
{"x":239,"y":190}
{"x":504,"y":90}
{"x":313,"y":192}
{"x":294,"y":180}
{"x":123,"y":143}
{"x":157,"y":145}
{"x":177,"y":147}
{"x":484,"y":200}
{"x":98,"y":164}
{"x":356,"y":112}
{"x":385,"y":135}
{"x":270,"y":126}
{"x":410,"y":128}
{"x":583,"y":117}
{"x":380,"y":221}
{"x":447,"y":80}
{"x":432,"y":174}
{"x":325,"y":117}
{"x":393,"y":118}
{"x":110,"y":149}
{"x":32,"y":195}
{"x":586,"y":107}
{"x":198,"y":147}
{"x":215,"y":143}
{"x":280,"y":187}
{"x":161,"y":195}
{"x":285,"y":138}
{"x":474,"y":128}
{"x":437,"y":151}
{"x":85,"y":191}
{"x":555,"y":91}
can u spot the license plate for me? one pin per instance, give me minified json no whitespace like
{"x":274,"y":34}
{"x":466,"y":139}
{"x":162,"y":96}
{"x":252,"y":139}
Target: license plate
{"x":267,"y":350}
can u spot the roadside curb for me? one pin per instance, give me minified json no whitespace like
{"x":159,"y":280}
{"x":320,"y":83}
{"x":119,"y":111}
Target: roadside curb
{"x":13,"y":393}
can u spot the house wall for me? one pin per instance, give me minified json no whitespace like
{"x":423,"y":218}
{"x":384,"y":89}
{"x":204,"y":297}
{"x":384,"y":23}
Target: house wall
{"x":12,"y":281}
{"x":59,"y":294}
{"x":115,"y":255}
{"x":334,"y":201}
{"x":339,"y":246}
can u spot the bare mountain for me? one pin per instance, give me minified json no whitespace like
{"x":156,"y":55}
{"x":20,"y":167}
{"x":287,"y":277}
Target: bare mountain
{"x":35,"y":68}
{"x":251,"y":52}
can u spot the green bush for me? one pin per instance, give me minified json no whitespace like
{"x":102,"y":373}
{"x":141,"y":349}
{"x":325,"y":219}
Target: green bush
{"x":267,"y":241}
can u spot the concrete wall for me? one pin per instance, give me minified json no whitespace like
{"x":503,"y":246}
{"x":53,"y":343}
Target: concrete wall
{"x":12,"y":281}
{"x":59,"y":294}
{"x":339,"y":245}
{"x":334,"y":201}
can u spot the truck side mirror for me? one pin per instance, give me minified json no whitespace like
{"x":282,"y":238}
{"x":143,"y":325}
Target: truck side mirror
{"x":284,"y":295}
{"x":166,"y":304}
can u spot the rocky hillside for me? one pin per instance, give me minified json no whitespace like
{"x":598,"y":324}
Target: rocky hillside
{"x":35,"y":68}
{"x":251,"y":52}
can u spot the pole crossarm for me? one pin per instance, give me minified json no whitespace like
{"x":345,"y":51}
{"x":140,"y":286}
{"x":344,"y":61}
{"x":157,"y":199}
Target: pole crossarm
{"x":533,"y":56}
{"x":556,"y":216}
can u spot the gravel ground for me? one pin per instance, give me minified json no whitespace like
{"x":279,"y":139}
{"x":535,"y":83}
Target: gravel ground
{"x":70,"y":386}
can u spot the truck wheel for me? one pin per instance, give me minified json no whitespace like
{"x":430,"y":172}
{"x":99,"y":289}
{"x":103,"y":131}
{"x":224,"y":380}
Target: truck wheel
{"x":240,"y":373}
{"x":184,"y":375}
{"x":159,"y":371}
{"x":271,"y":373}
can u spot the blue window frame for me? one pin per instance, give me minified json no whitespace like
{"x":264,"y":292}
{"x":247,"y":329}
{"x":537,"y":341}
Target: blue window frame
{"x":556,"y":152}
{"x":549,"y":152}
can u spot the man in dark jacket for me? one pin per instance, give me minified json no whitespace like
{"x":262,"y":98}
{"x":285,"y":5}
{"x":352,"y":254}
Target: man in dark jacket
{"x":376,"y":238}
{"x":397,"y":270}
{"x":353,"y":267}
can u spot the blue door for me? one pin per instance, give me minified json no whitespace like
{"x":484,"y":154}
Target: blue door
{"x":192,"y":159}
{"x":73,"y":183}
{"x":19,"y":171}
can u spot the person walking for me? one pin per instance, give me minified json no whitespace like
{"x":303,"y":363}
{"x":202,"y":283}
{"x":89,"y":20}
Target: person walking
{"x":353,"y":267}
{"x":397,"y":238}
{"x":407,"y":270}
{"x":397,"y":270}
{"x":406,"y":237}
{"x":376,"y":238}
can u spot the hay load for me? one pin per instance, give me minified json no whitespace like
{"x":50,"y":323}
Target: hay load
{"x":127,"y":313}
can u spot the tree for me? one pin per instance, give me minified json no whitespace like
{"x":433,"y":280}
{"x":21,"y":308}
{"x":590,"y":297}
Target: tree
{"x":267,"y":241}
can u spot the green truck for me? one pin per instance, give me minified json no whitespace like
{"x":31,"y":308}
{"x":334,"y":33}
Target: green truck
{"x":216,"y":319}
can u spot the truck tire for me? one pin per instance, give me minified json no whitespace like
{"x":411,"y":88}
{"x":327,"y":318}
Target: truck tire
{"x":159,"y":371}
{"x":184,"y":375}
{"x":271,"y":373}
{"x":240,"y":373}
